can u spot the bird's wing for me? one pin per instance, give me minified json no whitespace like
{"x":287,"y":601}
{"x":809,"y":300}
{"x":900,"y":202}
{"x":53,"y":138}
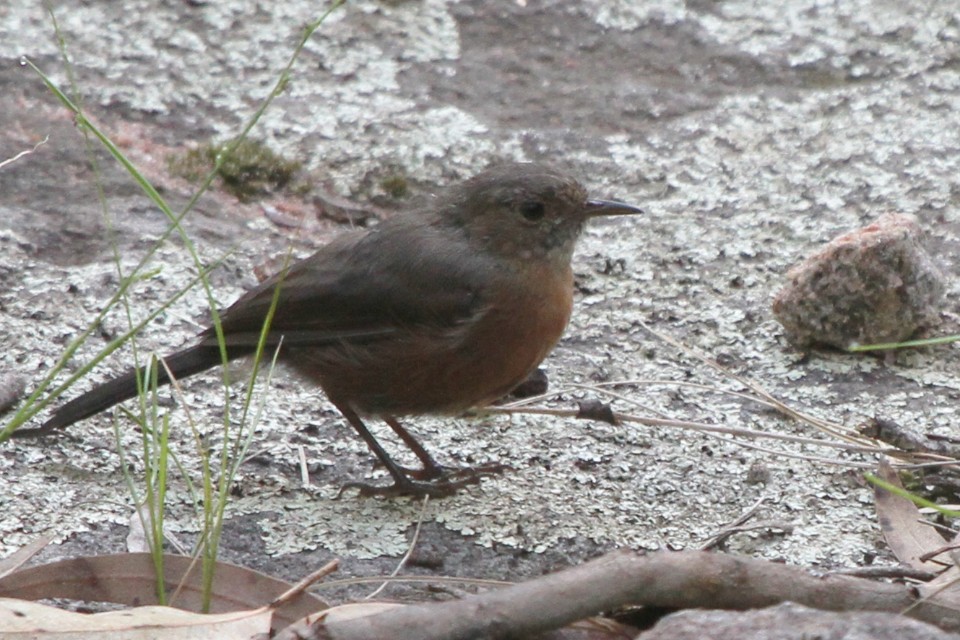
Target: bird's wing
{"x":363,"y":288}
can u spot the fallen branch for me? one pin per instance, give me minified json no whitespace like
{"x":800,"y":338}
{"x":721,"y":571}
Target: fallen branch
{"x":676,"y":580}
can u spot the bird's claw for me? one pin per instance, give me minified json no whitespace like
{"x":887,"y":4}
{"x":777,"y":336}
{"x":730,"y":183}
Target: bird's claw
{"x":438,"y":482}
{"x":441,"y":472}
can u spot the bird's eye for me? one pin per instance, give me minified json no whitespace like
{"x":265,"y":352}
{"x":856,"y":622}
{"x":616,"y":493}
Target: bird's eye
{"x":532,"y":210}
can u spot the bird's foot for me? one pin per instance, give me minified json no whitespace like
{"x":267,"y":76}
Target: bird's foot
{"x":442,"y":472}
{"x":435,"y":482}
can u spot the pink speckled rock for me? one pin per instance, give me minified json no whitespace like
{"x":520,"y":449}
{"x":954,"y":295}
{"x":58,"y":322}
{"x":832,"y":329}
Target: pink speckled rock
{"x":876,"y":284}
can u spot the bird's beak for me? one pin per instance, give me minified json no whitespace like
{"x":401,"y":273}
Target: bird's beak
{"x":594,"y":208}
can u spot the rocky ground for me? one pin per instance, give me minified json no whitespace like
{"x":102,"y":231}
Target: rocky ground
{"x":751,"y":133}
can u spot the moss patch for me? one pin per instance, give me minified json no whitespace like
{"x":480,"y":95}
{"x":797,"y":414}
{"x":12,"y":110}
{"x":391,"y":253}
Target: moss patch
{"x":251,"y":170}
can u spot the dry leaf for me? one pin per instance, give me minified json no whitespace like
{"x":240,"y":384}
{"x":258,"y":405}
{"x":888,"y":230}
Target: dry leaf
{"x":128,"y":579}
{"x":903,"y":526}
{"x":29,"y":620}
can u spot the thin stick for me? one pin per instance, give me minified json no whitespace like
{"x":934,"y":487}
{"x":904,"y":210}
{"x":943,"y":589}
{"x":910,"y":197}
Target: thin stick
{"x":406,"y":556}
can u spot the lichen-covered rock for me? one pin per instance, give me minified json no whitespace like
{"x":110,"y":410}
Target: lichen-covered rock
{"x":873,"y":285}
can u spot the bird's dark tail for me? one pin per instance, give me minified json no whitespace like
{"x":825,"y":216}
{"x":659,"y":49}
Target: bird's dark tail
{"x":182,"y":364}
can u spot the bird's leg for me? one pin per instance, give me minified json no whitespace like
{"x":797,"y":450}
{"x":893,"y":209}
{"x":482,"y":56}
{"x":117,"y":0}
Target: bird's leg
{"x":431,"y":468}
{"x":403,"y":484}
{"x":443,"y":485}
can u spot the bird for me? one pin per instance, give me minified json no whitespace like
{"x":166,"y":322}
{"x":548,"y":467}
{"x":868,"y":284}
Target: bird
{"x":435,"y":310}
